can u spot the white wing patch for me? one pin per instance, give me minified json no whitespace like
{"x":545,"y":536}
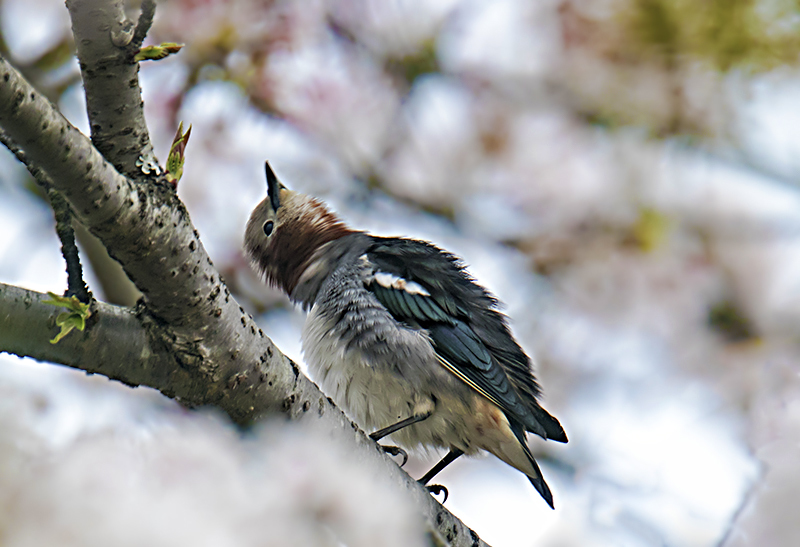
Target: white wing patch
{"x":391,"y":281}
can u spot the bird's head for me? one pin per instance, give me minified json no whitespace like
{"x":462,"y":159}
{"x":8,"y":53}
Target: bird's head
{"x":284,"y":232}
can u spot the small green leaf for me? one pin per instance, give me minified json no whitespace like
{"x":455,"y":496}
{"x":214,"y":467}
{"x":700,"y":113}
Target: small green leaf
{"x":177,"y":154}
{"x":155,"y":53}
{"x":70,"y":302}
{"x":75,"y":318}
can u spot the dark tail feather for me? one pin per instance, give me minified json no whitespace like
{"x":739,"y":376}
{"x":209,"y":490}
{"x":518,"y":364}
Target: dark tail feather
{"x":538,"y":480}
{"x":550,"y":424}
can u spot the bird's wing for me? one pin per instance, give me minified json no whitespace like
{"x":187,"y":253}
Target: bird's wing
{"x":457,"y":346}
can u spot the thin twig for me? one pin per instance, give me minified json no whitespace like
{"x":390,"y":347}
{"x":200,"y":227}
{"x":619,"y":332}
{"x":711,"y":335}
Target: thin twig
{"x":144,"y":22}
{"x":76,"y":286}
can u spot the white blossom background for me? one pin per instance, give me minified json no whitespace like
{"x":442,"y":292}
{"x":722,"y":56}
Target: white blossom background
{"x":639,"y":219}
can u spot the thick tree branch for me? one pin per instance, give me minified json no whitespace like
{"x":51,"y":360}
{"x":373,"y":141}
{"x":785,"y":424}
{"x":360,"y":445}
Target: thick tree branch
{"x":218,"y":354}
{"x":126,"y":345}
{"x":105,"y":41}
{"x":116,"y":345}
{"x":147,"y":229}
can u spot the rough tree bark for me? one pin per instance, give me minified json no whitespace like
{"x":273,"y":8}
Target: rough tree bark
{"x":106,"y":42}
{"x":187,"y":337}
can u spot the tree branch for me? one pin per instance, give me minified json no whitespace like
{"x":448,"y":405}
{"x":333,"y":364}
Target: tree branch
{"x":147,"y":229}
{"x":76,"y":286}
{"x":214,"y":352}
{"x":114,"y":281}
{"x":116,"y":344}
{"x":126,"y":345}
{"x":64,"y":227}
{"x":144,"y":22}
{"x":106,"y":43}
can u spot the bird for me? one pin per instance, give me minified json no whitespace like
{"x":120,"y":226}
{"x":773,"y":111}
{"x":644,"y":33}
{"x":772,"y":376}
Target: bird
{"x":401,"y":336}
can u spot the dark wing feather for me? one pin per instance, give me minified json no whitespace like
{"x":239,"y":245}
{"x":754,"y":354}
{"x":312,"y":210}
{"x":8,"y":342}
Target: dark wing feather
{"x":459,"y":350}
{"x":451,"y":311}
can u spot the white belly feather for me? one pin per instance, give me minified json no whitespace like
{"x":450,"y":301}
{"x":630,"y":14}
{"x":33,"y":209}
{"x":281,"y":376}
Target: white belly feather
{"x":373,"y":396}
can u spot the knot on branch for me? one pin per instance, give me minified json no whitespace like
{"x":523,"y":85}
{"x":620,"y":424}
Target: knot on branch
{"x":188,"y":352}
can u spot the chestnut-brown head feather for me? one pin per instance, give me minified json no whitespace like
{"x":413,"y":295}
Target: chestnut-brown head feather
{"x":300,"y":226}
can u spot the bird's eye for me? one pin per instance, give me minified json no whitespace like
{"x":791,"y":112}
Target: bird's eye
{"x":268,"y":226}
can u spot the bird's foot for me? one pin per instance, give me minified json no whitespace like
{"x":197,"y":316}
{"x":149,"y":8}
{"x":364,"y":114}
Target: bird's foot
{"x":437,"y":489}
{"x":395,"y":451}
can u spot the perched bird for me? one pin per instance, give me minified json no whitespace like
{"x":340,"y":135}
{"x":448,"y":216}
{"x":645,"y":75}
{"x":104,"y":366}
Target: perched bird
{"x":400,"y":336}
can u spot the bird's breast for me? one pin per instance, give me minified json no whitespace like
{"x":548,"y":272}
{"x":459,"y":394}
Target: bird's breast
{"x":365,"y":367}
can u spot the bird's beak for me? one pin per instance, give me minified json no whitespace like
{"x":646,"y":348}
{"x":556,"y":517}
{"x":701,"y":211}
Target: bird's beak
{"x":273,"y":187}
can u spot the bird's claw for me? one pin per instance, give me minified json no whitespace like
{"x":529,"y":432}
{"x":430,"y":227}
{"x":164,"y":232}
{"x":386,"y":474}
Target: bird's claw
{"x":395,"y":451}
{"x":437,"y":489}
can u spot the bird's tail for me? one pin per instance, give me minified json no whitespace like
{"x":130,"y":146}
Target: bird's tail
{"x":537,"y":480}
{"x":552,"y":427}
